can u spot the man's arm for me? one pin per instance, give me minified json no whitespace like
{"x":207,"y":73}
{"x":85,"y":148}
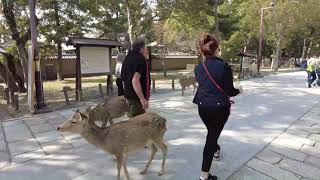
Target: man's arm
{"x":137,"y":88}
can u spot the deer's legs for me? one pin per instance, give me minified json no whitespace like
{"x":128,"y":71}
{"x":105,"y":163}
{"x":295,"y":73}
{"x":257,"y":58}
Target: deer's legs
{"x":125,"y":168}
{"x":164,"y":148}
{"x":183,"y":88}
{"x":120,"y":159}
{"x":154,"y":150}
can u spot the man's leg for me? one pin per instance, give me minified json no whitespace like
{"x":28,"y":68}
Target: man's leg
{"x":135,"y":108}
{"x":313,"y":77}
{"x":309,"y":79}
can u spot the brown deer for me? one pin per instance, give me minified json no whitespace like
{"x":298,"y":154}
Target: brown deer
{"x":114,"y":107}
{"x":122,"y":138}
{"x":186,"y":81}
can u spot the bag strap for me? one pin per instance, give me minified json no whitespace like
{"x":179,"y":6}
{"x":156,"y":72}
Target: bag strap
{"x":215,"y":83}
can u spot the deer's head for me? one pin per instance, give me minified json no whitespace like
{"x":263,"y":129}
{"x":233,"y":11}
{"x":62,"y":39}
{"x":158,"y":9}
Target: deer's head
{"x":75,"y":124}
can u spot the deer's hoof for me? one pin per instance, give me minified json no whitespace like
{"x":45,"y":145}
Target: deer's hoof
{"x":144,"y":172}
{"x":161,"y":173}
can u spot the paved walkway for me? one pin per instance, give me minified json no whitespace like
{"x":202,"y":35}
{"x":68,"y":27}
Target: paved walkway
{"x":293,"y":155}
{"x":31,"y":149}
{"x":3,"y":113}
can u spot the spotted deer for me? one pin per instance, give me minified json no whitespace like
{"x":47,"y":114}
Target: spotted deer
{"x":122,"y":138}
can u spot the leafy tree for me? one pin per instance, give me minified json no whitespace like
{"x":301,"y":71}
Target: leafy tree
{"x":16,"y":23}
{"x":187,"y":21}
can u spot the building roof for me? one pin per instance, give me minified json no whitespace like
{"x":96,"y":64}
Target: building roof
{"x":75,"y":41}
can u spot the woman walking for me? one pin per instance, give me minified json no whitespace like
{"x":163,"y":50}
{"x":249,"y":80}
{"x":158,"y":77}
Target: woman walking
{"x":215,"y":81}
{"x":117,"y":73}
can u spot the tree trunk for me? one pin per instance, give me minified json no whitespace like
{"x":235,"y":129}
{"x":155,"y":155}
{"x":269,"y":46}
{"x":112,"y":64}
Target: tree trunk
{"x":3,"y":73}
{"x":15,"y":34}
{"x":275,"y":62}
{"x":59,"y":59}
{"x":23,"y":59}
{"x":15,"y":71}
{"x":15,"y":74}
{"x":309,"y":49}
{"x":58,"y":41}
{"x":304,"y":50}
{"x":130,"y":23}
{"x":216,"y":18}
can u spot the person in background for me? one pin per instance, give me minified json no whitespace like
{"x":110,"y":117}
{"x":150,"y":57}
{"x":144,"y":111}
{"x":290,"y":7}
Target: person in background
{"x":215,"y":80}
{"x":117,"y":73}
{"x":311,"y":70}
{"x":136,"y":77}
{"x":317,"y":70}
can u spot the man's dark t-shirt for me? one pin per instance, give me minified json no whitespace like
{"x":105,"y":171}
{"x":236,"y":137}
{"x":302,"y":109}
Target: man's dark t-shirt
{"x":135,"y":62}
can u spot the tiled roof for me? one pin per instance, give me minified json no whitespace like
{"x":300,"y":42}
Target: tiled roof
{"x":91,"y":42}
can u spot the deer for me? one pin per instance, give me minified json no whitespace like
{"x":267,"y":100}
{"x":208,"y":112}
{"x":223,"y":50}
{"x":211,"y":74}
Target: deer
{"x":123,"y":137}
{"x":186,"y":81}
{"x":114,"y":107}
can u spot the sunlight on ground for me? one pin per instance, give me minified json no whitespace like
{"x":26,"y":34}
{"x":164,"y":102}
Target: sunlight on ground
{"x":186,"y":141}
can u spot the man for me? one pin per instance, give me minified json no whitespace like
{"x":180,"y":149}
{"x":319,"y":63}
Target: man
{"x":311,"y":70}
{"x":136,"y":78}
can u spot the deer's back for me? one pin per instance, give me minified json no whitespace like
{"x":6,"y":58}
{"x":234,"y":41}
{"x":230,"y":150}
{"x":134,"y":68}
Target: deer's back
{"x":187,"y":81}
{"x":116,"y":106}
{"x":136,"y":132}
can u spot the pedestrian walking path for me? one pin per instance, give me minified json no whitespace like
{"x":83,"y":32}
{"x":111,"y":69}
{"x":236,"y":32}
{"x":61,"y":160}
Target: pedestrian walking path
{"x":294,"y":154}
{"x":271,"y":117}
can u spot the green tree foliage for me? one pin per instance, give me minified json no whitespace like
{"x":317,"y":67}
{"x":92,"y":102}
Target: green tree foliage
{"x":185,"y":22}
{"x":291,"y":23}
{"x":292,"y":27}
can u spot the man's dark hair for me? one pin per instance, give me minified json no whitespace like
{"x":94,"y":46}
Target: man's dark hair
{"x":138,"y":44}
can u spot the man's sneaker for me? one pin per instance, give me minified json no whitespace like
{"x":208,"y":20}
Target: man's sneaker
{"x":211,"y":177}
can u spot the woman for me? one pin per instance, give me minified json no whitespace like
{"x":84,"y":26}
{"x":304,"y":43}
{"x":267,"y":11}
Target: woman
{"x":117,"y":73}
{"x":215,"y":81}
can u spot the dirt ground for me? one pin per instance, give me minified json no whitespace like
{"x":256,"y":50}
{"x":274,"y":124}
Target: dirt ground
{"x":54,"y":96}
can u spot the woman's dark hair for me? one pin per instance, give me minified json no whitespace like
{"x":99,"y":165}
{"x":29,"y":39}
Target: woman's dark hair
{"x":208,"y":45}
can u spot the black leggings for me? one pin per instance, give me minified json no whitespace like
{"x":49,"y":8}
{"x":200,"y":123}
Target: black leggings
{"x":214,"y":118}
